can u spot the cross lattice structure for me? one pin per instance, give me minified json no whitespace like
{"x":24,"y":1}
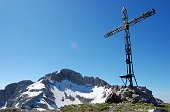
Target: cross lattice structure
{"x":130,"y":76}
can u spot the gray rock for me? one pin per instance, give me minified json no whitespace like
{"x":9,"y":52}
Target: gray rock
{"x":84,"y":100}
{"x":153,"y":101}
{"x":115,"y":88}
{"x":11,"y":91}
{"x":137,"y":94}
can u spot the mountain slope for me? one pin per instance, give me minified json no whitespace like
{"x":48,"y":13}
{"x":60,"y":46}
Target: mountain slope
{"x":13,"y":90}
{"x":58,"y":89}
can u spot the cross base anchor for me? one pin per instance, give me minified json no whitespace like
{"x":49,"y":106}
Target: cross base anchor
{"x":128,"y":78}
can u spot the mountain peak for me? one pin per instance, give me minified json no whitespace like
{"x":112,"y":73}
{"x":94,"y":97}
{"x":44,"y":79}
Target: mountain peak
{"x":74,"y":77}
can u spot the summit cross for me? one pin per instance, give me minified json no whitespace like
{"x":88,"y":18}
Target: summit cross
{"x":125,"y":26}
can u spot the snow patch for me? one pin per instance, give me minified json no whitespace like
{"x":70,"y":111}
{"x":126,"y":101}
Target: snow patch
{"x":152,"y":110}
{"x":40,"y":109}
{"x":34,"y":89}
{"x":17,"y":105}
{"x":66,"y":88}
{"x":74,"y":87}
{"x":31,"y":93}
{"x":60,"y":98}
{"x":38,"y":85}
{"x":97,"y":94}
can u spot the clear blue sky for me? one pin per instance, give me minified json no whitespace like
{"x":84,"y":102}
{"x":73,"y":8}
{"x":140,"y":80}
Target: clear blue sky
{"x":42,"y":36}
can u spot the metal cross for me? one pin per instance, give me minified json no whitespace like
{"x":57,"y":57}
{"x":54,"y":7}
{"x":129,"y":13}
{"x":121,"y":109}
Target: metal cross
{"x":125,"y":26}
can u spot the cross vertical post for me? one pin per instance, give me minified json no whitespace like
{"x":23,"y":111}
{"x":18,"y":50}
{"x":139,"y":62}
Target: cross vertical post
{"x":129,"y":63}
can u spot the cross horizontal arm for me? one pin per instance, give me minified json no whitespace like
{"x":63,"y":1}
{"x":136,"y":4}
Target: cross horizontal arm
{"x":142,"y":17}
{"x":116,"y":30}
{"x":132,"y":22}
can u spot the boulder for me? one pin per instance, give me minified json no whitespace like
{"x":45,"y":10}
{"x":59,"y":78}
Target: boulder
{"x":112,"y":98}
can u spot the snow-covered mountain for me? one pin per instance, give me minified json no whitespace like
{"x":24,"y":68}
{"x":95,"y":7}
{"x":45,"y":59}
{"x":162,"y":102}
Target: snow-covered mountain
{"x":68,"y":87}
{"x":55,"y":90}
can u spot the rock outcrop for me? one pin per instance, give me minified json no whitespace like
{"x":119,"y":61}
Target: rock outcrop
{"x":134,"y":95}
{"x":12,"y":90}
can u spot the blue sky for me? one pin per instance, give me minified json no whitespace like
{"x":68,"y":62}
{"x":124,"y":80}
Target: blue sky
{"x":42,"y":36}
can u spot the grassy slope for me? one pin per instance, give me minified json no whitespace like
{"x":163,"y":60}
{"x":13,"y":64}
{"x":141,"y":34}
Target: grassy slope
{"x":121,"y":107}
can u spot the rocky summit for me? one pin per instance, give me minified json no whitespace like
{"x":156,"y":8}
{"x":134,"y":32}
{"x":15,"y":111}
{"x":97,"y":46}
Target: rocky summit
{"x":134,"y":95}
{"x":67,"y":87}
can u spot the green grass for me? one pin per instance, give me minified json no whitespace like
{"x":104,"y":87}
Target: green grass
{"x":121,"y":107}
{"x":85,"y":108}
{"x":103,"y":106}
{"x":69,"y":108}
{"x":130,"y":107}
